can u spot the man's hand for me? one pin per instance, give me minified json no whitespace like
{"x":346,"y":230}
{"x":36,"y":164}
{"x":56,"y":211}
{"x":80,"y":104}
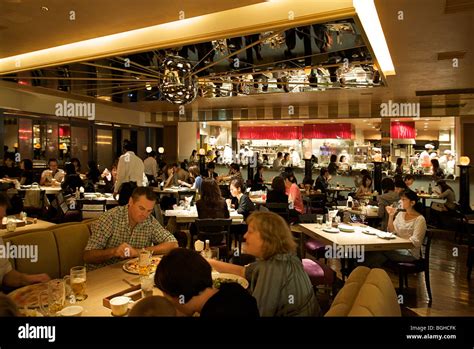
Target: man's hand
{"x":35,"y":278}
{"x":125,"y":251}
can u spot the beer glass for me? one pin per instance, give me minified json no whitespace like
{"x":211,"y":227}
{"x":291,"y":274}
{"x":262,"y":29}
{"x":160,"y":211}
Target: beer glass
{"x":78,"y":282}
{"x":55,"y":297}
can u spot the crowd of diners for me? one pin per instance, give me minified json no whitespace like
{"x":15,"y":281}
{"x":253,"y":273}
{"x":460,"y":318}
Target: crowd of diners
{"x":278,"y":284}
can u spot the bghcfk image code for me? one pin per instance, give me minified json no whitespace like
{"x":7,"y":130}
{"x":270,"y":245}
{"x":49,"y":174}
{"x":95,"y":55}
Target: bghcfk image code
{"x":37,"y":332}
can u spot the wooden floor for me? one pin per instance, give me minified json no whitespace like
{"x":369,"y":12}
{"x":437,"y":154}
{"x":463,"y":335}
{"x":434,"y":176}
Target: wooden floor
{"x":453,"y":294}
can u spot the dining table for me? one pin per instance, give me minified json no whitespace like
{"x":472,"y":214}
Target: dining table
{"x":31,"y":225}
{"x":190,"y":215}
{"x":363,"y":235}
{"x":106,"y":281}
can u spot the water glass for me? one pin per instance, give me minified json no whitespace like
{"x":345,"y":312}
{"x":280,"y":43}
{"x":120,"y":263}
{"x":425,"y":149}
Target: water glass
{"x":146,"y":283}
{"x":319,"y":219}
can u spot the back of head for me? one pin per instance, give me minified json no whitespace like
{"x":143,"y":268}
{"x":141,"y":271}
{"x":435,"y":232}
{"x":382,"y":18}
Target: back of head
{"x":70,"y":169}
{"x":387,"y":184}
{"x":210,"y":191}
{"x":153,"y":306}
{"x":400,"y":184}
{"x":128,"y":146}
{"x":235,"y":167}
{"x":278,"y":184}
{"x":183,"y":273}
{"x":333,"y":158}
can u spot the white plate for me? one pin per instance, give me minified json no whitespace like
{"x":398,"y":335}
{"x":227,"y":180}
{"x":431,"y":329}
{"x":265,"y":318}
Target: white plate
{"x":385,"y":235}
{"x":230,"y":278}
{"x":331,"y":230}
{"x":346,"y":228}
{"x":368,"y":231}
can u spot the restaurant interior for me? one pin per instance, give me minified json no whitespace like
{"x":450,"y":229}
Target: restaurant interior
{"x":355,"y":107}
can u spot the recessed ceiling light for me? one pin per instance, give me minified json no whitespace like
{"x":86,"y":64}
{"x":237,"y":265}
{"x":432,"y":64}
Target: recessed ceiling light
{"x":364,"y":120}
{"x":427,"y":119}
{"x":373,"y":126}
{"x":397,"y":120}
{"x":332,"y":121}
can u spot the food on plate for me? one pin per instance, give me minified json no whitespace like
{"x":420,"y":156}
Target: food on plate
{"x":132,"y":266}
{"x":222,"y":278}
{"x":28,"y":296}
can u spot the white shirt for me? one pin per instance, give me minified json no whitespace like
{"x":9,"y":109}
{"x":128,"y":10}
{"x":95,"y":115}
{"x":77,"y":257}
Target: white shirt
{"x":151,"y":166}
{"x":414,"y":230}
{"x":5,"y":265}
{"x":130,"y":169}
{"x":295,"y":158}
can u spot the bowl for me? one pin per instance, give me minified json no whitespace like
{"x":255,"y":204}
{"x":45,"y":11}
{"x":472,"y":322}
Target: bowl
{"x":73,"y":310}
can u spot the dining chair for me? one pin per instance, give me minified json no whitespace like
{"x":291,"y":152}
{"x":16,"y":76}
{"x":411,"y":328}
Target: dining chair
{"x":420,"y":265}
{"x":314,"y":247}
{"x":216,"y":230}
{"x":280,"y":209}
{"x":91,"y":208}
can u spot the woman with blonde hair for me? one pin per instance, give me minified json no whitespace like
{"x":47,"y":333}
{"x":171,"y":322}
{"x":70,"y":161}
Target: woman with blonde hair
{"x":277,"y":279}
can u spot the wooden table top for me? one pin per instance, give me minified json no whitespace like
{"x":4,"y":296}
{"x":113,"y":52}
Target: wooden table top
{"x":189,"y":216}
{"x":357,"y":238}
{"x":40,"y":224}
{"x":104,"y":282}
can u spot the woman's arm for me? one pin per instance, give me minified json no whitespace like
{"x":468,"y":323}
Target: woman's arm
{"x":223,"y":267}
{"x":419,"y":231}
{"x":391,"y":214}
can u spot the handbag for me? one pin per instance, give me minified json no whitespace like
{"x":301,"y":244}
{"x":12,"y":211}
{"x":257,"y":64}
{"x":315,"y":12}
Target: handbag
{"x":33,"y":197}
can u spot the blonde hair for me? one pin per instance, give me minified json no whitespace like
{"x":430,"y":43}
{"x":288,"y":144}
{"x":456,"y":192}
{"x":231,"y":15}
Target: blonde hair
{"x":275,"y":233}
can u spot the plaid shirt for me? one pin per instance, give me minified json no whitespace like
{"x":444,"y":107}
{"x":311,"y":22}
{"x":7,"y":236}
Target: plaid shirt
{"x":112,"y":229}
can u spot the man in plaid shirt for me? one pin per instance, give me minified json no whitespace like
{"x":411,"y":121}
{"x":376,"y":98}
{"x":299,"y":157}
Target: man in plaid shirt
{"x":121,"y":232}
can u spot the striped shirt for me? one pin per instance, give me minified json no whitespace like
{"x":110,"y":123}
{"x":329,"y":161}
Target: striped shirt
{"x":112,"y":229}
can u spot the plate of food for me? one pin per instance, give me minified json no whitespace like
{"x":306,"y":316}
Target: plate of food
{"x":221,"y":278}
{"x":331,"y":230}
{"x":28,"y":296}
{"x":131,"y":266}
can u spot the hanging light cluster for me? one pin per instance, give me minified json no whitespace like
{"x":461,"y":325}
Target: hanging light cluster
{"x":178,"y":85}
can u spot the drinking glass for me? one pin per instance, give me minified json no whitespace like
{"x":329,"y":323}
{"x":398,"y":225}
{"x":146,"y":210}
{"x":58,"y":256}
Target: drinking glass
{"x":146,"y":283}
{"x":215,"y":253}
{"x":144,"y":260}
{"x":55,"y":297}
{"x":78,"y":282}
{"x":11,"y":224}
{"x":319,"y":219}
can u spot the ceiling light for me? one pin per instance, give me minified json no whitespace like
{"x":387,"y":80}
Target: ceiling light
{"x":148,"y":86}
{"x":44,"y":8}
{"x":397,"y":120}
{"x":373,"y":29}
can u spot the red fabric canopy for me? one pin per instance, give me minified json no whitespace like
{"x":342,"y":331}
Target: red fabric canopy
{"x":270,"y":132}
{"x":322,"y":131}
{"x":309,"y":131}
{"x":402,"y":130}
